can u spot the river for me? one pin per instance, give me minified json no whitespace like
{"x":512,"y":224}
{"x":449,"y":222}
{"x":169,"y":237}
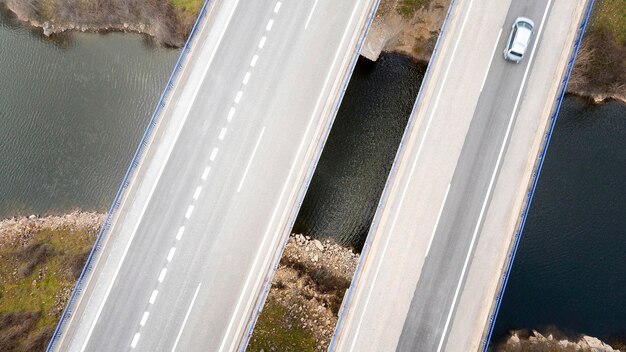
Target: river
{"x":73,"y":110}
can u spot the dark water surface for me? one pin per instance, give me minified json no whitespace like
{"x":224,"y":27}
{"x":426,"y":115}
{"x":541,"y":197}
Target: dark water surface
{"x":351,"y":174}
{"x":71,"y":115}
{"x":570,"y":269}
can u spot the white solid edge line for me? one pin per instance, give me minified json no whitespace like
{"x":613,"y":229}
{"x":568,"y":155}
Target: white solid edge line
{"x":195,"y":95}
{"x":153,"y":296}
{"x":180,"y":332}
{"x":306,"y":25}
{"x":255,"y":58}
{"x":262,"y":42}
{"x":162,"y":274}
{"x":419,"y":151}
{"x":196,"y":194}
{"x":133,"y":343}
{"x":270,"y":23}
{"x":493,"y":176}
{"x":493,"y":53}
{"x":144,"y":318}
{"x":282,"y":193}
{"x":246,"y":78}
{"x":188,"y":213}
{"x":432,"y":236}
{"x":256,"y":146}
{"x":179,"y":234}
{"x":277,"y":7}
{"x":170,"y":255}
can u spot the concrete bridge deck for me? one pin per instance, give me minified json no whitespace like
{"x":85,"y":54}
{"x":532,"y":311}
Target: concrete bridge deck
{"x":436,"y":252}
{"x":189,"y":254}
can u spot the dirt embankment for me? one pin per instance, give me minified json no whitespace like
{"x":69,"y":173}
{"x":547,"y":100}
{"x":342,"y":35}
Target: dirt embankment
{"x":300,"y":312}
{"x":168,"y":21}
{"x":40,"y":260}
{"x":411,"y":27}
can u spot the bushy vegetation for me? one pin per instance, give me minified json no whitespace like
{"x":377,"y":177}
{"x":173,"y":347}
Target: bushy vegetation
{"x":600,"y":68}
{"x":408,"y":7}
{"x":169,"y":21}
{"x":36,"y":278}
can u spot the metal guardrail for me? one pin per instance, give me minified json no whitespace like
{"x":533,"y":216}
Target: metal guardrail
{"x":390,"y":178}
{"x":535,"y":176}
{"x":67,"y":312}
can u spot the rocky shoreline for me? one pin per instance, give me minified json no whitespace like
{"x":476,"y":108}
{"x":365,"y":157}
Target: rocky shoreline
{"x":166,"y":23}
{"x":307,"y":289}
{"x":522,"y":340}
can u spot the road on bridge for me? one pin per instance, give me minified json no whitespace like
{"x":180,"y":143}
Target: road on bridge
{"x":439,"y":240}
{"x":189,"y":256}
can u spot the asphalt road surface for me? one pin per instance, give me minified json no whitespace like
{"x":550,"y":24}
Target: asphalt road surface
{"x":193,"y":247}
{"x":421,"y":247}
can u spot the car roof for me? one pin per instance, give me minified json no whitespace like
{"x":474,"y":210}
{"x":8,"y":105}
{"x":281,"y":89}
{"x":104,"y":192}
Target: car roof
{"x":522,"y":37}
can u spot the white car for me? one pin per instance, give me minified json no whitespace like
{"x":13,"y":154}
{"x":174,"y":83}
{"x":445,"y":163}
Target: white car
{"x":518,"y":41}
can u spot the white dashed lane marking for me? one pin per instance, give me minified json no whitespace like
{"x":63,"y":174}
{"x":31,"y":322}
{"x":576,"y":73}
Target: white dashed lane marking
{"x":262,"y":42}
{"x":170,"y":255}
{"x":213,"y":154}
{"x":144,"y":318}
{"x":162,"y":274}
{"x":133,"y":344}
{"x":153,"y":296}
{"x":255,"y":58}
{"x":277,"y":7}
{"x":188,"y":213}
{"x":269,"y":25}
{"x":231,"y":113}
{"x":246,"y":78}
{"x":222,"y":133}
{"x":196,"y":194}
{"x":205,"y":173}
{"x":238,"y":97}
{"x":179,"y":234}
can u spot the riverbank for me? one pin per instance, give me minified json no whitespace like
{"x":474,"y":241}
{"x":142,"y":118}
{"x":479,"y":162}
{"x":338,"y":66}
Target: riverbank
{"x":300,"y":312}
{"x":42,"y":257}
{"x":411,"y":27}
{"x":40,"y":260}
{"x":168,"y":22}
{"x":522,"y":340}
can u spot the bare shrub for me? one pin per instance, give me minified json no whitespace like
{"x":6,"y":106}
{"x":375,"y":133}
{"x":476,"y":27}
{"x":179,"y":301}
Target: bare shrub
{"x":33,"y":255}
{"x":14,"y":327}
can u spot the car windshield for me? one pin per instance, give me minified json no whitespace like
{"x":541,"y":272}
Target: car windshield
{"x":515,"y":53}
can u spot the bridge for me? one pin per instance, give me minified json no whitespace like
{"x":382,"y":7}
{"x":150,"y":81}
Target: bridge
{"x":437,"y":256}
{"x":186,"y":254}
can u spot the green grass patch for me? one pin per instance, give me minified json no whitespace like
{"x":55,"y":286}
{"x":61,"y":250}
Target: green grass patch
{"x":407,"y":8}
{"x":611,"y":17}
{"x":188,"y":6}
{"x":275,"y":330}
{"x":33,"y":277}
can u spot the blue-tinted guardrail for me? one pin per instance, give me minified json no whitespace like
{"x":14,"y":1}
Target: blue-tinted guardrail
{"x":67,"y":312}
{"x":535,"y":176}
{"x":390,"y":178}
